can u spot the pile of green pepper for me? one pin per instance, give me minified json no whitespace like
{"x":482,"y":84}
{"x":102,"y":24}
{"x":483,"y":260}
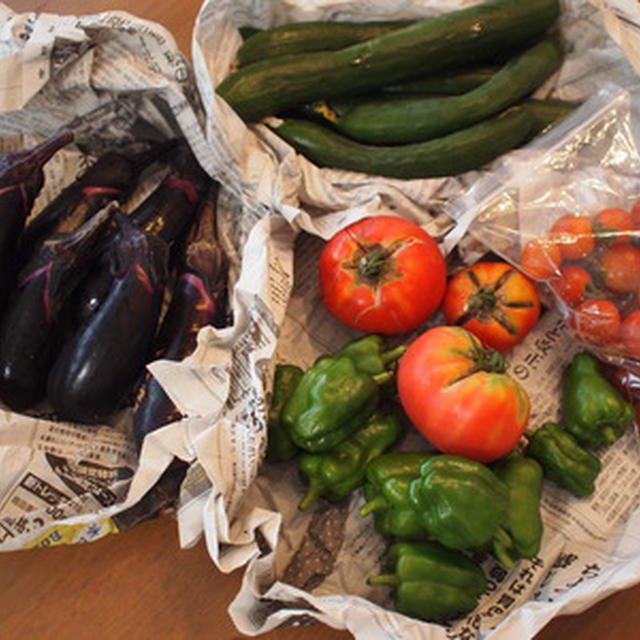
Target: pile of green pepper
{"x":329,"y":417}
{"x":435,"y":506}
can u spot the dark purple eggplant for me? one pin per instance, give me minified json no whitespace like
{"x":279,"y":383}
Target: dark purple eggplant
{"x":167,"y":213}
{"x":112,"y":177}
{"x":30,"y":328}
{"x":199,"y":299}
{"x":21,"y":179}
{"x":99,"y":364}
{"x":161,"y":497}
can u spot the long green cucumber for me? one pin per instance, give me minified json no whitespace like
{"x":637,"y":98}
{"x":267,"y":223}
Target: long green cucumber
{"x":449,"y":83}
{"x":458,"y":152}
{"x":391,"y":120}
{"x":547,"y":113}
{"x":247,"y":31}
{"x":477,"y":33}
{"x":304,"y":37}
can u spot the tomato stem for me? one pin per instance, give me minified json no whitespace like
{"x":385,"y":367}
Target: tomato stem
{"x":373,"y":263}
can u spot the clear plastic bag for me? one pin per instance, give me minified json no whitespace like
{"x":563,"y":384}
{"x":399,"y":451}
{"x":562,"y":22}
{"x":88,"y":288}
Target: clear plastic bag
{"x":566,"y":211}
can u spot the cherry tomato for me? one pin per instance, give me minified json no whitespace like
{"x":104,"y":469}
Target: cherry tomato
{"x":621,"y":267}
{"x":382,"y":274}
{"x":572,"y":284}
{"x":635,"y":214}
{"x":574,"y":236}
{"x":457,"y":395}
{"x":541,"y":258}
{"x":612,"y":224}
{"x":630,"y":334}
{"x":596,"y":322}
{"x":494,"y":301}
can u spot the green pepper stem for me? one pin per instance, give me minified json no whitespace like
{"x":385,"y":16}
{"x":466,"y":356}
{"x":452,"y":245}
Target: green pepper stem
{"x":387,"y":579}
{"x":313,"y":493}
{"x":393,"y":354}
{"x":381,"y":378}
{"x":377,"y":504}
{"x":609,"y":434}
{"x":501,"y":543}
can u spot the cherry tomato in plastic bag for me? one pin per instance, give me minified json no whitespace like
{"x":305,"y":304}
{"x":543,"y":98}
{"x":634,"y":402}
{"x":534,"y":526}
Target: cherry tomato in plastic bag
{"x":621,"y":267}
{"x":573,"y":284}
{"x":574,"y":236}
{"x":630,"y":334}
{"x":596,"y":322}
{"x":541,"y":258}
{"x":611,"y":225}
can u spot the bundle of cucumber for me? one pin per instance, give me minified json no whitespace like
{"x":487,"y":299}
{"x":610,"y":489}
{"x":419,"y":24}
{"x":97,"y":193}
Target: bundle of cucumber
{"x":336,"y":88}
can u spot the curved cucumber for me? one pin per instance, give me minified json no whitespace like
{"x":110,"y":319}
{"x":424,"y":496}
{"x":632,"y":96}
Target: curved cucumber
{"x":477,"y":33}
{"x":450,"y":83}
{"x":389,"y":120}
{"x":547,"y":113}
{"x":458,"y":152}
{"x":304,"y":37}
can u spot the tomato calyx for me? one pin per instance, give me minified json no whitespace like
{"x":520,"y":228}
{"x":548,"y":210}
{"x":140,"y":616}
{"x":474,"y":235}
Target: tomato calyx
{"x":373,"y":264}
{"x":483,"y":359}
{"x":485,"y":303}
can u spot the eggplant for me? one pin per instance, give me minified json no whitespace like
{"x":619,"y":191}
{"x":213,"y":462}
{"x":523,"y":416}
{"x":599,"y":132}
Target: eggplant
{"x":199,"y":299}
{"x":98,"y":365}
{"x":30,"y":328}
{"x":112,"y":177}
{"x":21,"y":179}
{"x":167,"y":213}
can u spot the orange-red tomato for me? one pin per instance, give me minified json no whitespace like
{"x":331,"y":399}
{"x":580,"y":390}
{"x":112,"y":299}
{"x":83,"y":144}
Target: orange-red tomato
{"x":574,"y":235}
{"x":635,"y":214}
{"x":494,"y":301}
{"x":612,"y":225}
{"x":541,"y":258}
{"x":596,"y":322}
{"x":456,"y":393}
{"x":621,"y":267}
{"x":572,"y":284}
{"x":382,"y":274}
{"x":630,"y":334}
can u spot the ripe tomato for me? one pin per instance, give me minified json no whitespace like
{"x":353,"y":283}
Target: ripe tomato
{"x":612,"y":225}
{"x":630,"y":334}
{"x":635,"y":214}
{"x":596,"y":322}
{"x":494,"y":301}
{"x":574,"y":236}
{"x":382,"y":274}
{"x":621,"y":267}
{"x":572,"y":285}
{"x":541,"y":258}
{"x":457,"y":395}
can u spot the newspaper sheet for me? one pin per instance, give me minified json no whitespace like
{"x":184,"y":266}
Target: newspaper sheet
{"x":318,"y":567}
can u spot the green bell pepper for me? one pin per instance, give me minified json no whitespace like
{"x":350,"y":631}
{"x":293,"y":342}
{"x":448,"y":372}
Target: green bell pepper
{"x":595,"y":412}
{"x":336,"y":396}
{"x":522,"y":533}
{"x":336,"y":473}
{"x":280,"y":447}
{"x":432,"y":582}
{"x":387,"y":493}
{"x":563,"y":460}
{"x":461,"y":502}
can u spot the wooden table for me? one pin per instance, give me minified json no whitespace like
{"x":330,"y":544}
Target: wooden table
{"x":139,"y":584}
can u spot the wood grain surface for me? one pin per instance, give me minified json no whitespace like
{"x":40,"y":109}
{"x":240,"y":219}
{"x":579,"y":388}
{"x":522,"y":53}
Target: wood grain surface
{"x":138,"y":584}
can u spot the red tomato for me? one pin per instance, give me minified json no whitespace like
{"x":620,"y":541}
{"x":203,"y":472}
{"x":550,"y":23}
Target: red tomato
{"x":573,"y":283}
{"x":494,"y":301}
{"x":621,"y":267}
{"x":382,"y":274}
{"x":630,"y":334}
{"x":635,"y":214}
{"x":541,"y":258}
{"x":457,"y":395}
{"x":611,"y":225}
{"x":574,"y":236}
{"x":596,"y":322}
